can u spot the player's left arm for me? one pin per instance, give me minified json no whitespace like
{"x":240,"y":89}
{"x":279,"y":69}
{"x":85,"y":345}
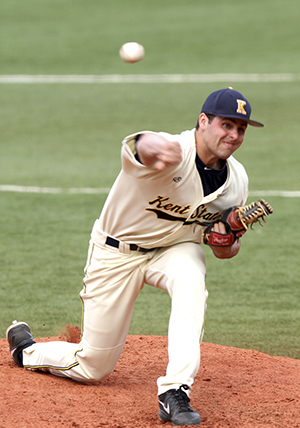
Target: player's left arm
{"x":225,"y":252}
{"x":224,"y":234}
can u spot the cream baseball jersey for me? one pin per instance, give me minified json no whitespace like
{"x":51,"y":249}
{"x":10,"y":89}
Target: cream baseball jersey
{"x":152,"y":208}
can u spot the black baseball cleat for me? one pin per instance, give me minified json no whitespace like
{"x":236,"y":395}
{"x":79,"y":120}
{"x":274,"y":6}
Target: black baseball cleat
{"x":19,"y":337}
{"x":174,"y":407}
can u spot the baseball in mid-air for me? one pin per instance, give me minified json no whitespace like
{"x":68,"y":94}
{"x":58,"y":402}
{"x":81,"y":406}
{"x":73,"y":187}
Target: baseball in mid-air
{"x":132,"y":52}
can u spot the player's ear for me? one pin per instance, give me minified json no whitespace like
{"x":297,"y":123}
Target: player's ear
{"x":203,"y":121}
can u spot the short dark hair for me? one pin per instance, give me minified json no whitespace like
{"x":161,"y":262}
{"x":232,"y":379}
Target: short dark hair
{"x":209,"y":116}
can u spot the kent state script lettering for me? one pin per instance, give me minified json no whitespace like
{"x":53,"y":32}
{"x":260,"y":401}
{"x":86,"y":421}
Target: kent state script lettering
{"x":163,"y":207}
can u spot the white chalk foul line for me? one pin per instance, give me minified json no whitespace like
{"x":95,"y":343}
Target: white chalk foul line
{"x":282,"y":193}
{"x":150,"y":78}
{"x":105,"y":190}
{"x":55,"y":190}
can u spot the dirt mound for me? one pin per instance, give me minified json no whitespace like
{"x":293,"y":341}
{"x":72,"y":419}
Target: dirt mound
{"x":235,"y":388}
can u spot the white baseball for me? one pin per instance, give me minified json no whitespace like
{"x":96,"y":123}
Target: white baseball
{"x":132,"y":52}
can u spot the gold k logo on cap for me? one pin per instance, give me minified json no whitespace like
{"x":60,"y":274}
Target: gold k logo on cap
{"x":240,"y":107}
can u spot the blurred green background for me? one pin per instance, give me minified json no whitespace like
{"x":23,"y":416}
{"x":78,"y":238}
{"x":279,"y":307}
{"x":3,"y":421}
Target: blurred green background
{"x":67,"y":135}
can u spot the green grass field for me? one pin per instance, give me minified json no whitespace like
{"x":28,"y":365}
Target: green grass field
{"x":69,"y":136}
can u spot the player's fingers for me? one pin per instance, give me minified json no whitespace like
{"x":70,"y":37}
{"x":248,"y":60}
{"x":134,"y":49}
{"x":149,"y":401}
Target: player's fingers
{"x":219,"y":227}
{"x":222,"y":227}
{"x":175,"y":153}
{"x":216,"y":227}
{"x":160,"y":165}
{"x":162,"y":162}
{"x":170,"y":157}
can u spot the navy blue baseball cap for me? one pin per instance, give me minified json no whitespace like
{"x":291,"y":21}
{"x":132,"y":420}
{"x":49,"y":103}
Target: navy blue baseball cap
{"x":229,"y":103}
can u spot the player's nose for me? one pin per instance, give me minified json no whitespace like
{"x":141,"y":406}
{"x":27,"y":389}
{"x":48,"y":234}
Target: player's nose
{"x":234,"y":133}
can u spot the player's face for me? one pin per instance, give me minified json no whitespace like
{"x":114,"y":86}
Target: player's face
{"x":219,"y":138}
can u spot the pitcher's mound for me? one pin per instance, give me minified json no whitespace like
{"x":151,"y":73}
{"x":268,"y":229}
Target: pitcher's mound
{"x":234,"y":389}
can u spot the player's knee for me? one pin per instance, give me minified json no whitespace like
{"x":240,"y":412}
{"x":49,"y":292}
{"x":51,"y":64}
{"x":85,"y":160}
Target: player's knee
{"x":96,"y":364}
{"x":94,"y":376}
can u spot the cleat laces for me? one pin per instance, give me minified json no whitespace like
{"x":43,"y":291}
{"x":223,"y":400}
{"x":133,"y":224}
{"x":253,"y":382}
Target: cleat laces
{"x":181,"y":400}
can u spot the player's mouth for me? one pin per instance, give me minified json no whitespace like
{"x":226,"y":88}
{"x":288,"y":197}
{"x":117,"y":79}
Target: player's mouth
{"x":229,"y":144}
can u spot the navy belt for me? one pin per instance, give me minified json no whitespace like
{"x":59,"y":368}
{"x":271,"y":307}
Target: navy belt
{"x":115,"y":243}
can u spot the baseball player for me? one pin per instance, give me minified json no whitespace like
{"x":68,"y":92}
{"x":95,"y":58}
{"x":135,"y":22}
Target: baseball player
{"x":150,"y":231}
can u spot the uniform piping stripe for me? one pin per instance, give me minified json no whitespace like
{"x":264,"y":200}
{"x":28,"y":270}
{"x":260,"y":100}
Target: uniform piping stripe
{"x":49,"y":366}
{"x":46,"y":366}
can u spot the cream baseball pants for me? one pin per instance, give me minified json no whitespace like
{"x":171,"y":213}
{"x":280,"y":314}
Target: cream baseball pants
{"x":113,"y":280}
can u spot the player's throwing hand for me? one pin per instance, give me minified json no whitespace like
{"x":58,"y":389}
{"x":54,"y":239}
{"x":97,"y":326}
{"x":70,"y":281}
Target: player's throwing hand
{"x":157,"y":151}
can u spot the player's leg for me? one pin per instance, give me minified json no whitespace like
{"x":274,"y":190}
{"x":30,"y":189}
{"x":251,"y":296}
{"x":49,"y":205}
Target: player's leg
{"x":181,"y":271}
{"x":111,"y":285}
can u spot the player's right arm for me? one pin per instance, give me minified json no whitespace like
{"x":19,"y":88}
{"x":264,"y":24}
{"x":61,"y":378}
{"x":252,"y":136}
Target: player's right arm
{"x":156,"y":151}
